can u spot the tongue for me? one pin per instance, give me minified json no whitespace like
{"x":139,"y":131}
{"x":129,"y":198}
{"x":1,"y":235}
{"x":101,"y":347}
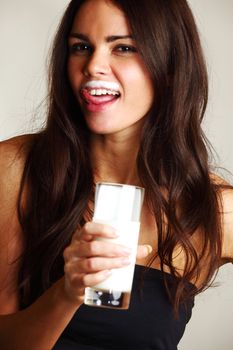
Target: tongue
{"x":97,"y":99}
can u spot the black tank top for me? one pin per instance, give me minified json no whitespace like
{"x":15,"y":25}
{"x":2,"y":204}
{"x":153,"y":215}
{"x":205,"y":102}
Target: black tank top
{"x":149,"y":323}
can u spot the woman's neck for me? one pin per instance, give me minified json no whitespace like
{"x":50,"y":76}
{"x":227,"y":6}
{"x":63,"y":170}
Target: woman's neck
{"x":114,"y":158}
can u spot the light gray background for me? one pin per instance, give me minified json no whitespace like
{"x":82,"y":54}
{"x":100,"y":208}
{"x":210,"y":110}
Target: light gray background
{"x":26,"y":28}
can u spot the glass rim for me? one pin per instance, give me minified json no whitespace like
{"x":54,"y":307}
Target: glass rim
{"x":118,"y":185}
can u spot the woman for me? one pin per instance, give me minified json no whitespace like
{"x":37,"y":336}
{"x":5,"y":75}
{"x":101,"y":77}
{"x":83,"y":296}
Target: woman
{"x":128,"y":91}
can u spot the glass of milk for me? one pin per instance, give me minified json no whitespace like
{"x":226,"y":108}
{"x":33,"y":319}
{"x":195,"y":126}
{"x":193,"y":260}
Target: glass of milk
{"x":119,"y":206}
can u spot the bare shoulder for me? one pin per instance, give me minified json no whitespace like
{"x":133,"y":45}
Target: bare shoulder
{"x":12,"y":160}
{"x":226,"y":210}
{"x":13,"y":150}
{"x":13,"y":153}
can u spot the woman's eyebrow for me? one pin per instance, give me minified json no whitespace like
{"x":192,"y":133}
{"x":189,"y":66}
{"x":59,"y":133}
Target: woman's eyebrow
{"x":108,"y":39}
{"x":111,"y":38}
{"x":79,"y":36}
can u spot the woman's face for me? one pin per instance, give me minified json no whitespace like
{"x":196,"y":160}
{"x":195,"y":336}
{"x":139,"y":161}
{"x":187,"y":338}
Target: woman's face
{"x":106,"y":72}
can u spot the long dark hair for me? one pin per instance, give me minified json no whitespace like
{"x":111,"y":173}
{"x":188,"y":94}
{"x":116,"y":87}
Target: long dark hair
{"x":172,"y":160}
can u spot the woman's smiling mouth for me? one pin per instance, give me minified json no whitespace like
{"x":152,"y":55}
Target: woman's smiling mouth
{"x":98,"y":95}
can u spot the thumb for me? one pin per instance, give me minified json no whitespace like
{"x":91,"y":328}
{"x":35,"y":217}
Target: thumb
{"x":143,"y":251}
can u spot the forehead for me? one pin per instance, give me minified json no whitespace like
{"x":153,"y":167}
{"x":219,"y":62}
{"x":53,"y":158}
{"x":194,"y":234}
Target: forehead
{"x":100,"y":15}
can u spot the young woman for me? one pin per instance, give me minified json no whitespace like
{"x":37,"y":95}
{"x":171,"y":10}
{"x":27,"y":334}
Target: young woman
{"x":128,"y":91}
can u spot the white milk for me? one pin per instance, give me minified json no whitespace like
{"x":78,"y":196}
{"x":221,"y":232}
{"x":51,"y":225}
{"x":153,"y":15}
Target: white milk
{"x":121,"y":278}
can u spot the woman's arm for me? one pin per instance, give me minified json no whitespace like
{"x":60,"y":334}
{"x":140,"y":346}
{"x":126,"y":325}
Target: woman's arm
{"x":11,"y":240}
{"x":38,"y":326}
{"x":227,"y":217}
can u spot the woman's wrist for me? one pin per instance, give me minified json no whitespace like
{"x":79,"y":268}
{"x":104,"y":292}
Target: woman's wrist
{"x":62,"y":295}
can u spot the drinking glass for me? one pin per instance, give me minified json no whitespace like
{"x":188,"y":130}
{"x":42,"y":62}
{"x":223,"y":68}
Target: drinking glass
{"x":119,"y":206}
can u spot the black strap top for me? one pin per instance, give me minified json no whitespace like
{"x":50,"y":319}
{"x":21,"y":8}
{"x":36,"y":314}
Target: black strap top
{"x":149,"y":323}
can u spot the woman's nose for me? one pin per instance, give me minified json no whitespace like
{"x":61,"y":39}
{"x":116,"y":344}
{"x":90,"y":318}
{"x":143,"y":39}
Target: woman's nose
{"x":97,"y":64}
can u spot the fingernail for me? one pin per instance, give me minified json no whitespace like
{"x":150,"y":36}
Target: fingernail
{"x":126,"y":261}
{"x":126,"y":251}
{"x":114,"y":232}
{"x":108,"y":272}
{"x":149,"y":248}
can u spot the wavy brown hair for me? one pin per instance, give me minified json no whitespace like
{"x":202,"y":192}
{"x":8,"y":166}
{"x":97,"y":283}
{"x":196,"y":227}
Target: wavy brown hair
{"x":172,"y":160}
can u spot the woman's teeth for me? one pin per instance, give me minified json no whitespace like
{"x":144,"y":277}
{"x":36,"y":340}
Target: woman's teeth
{"x":103,"y":92}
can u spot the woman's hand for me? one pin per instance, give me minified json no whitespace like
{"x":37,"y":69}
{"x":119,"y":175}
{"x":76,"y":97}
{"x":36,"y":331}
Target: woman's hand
{"x":89,"y":261}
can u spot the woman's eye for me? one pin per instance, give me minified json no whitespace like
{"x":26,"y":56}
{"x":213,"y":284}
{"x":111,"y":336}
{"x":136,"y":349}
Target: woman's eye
{"x":80,"y":49}
{"x":126,"y":49}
